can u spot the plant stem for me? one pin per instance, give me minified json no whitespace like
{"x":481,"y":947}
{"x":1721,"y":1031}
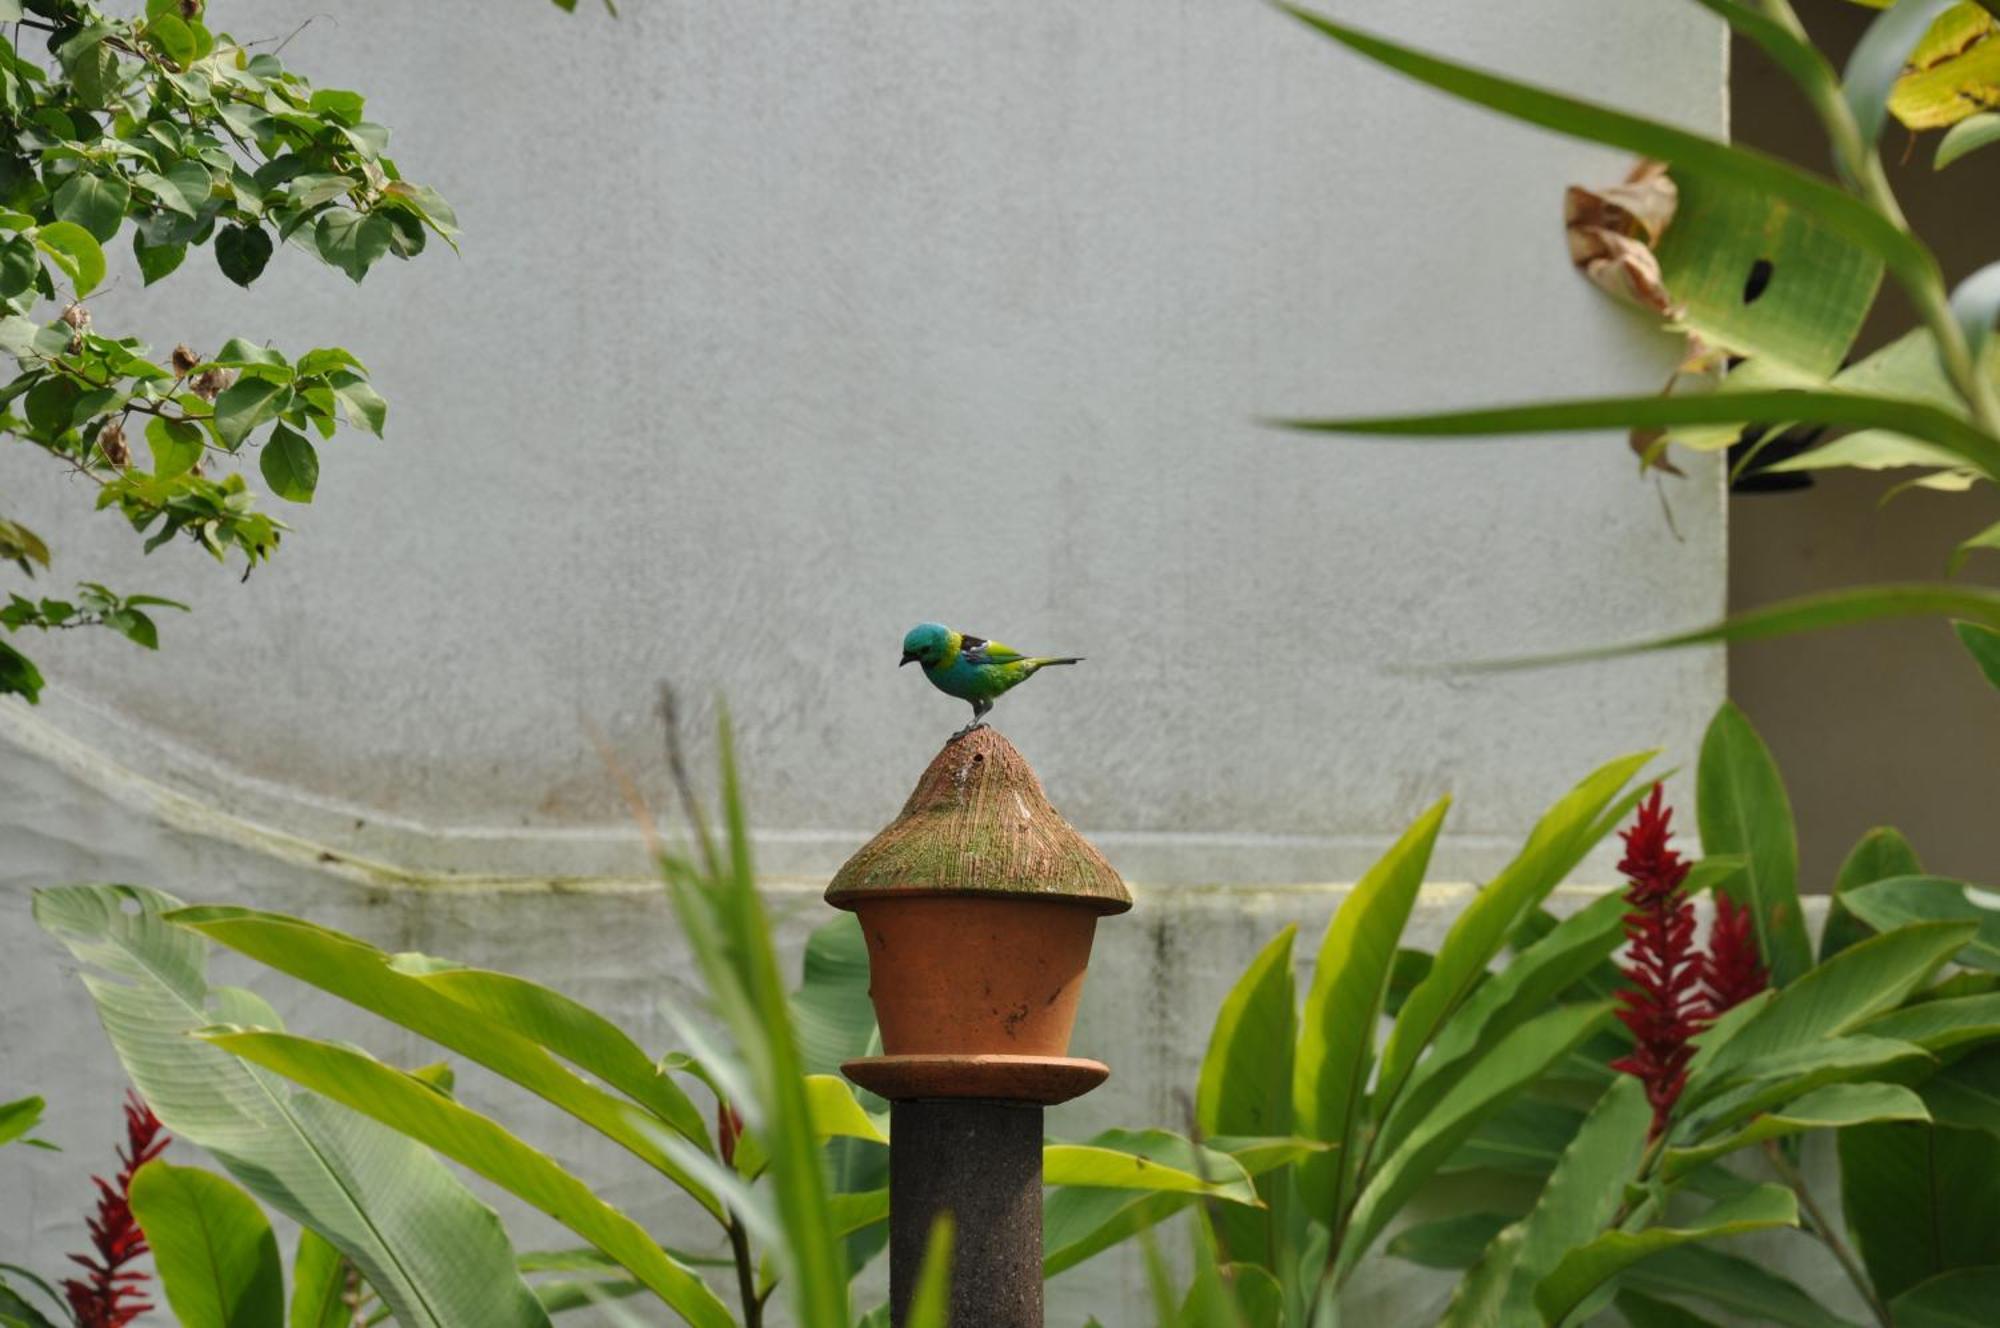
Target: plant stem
{"x":1826,"y":1233}
{"x":1922,"y":280}
{"x":746,"y":1273}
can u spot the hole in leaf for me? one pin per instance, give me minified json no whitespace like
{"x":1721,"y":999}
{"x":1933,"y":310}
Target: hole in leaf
{"x":1760,"y":280}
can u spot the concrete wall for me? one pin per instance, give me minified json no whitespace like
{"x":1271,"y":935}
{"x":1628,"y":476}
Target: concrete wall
{"x":780,"y":327}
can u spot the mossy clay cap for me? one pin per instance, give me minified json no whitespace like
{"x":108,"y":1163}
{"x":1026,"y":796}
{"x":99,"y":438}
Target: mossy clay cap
{"x":979,"y":824}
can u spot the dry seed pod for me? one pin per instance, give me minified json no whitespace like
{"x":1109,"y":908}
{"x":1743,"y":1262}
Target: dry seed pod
{"x":111,"y":442}
{"x":184,"y":360}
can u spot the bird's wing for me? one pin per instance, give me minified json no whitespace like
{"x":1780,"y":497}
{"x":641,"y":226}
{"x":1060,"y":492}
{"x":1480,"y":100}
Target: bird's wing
{"x":978,"y":650}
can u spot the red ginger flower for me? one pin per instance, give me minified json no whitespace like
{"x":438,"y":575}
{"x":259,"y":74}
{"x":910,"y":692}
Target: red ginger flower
{"x":1664,"y":1007}
{"x":1734,"y":971}
{"x":109,"y":1296}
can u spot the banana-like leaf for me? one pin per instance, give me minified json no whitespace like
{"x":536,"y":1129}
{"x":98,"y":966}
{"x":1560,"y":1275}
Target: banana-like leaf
{"x":1580,"y":1199}
{"x":1827,"y":1108}
{"x":830,"y":1009}
{"x":1589,"y":1266}
{"x":436,"y":1255}
{"x":1958,"y":1299}
{"x":1968,"y":135}
{"x":1830,"y":1000}
{"x":412,"y":1108}
{"x":1932,"y":424}
{"x":1906,"y":899}
{"x":1920,"y":1200}
{"x":1743,"y":809}
{"x":212,"y":1247}
{"x":1337,"y":1034}
{"x":1881,"y":854}
{"x":1515,"y":1062}
{"x":1689,"y":152}
{"x":409,"y":992}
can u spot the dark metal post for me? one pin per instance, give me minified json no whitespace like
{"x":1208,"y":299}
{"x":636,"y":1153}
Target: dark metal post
{"x":982,"y":1163}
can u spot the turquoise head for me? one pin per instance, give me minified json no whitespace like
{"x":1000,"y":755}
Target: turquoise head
{"x":926,"y":644}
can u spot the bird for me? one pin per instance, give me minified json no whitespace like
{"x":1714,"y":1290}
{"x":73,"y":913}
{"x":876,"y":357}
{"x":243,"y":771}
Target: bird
{"x":972,"y":668}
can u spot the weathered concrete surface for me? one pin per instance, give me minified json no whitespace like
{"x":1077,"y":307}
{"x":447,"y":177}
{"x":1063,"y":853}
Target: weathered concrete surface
{"x":781,"y":327}
{"x":981,"y":1164}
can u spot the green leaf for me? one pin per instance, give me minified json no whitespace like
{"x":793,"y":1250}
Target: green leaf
{"x":1920,"y":1200}
{"x":1343,"y":1004}
{"x":426,"y":1002}
{"x":1141,"y":1160}
{"x":1525,"y":1137}
{"x":176,"y":445}
{"x":95,"y":202}
{"x":1968,"y":135}
{"x":289,"y":465}
{"x":1738,"y":1286}
{"x":1642,"y":1311}
{"x":16,"y":1312}
{"x":19,"y":266}
{"x":830,"y":1009}
{"x":436,"y":1255}
{"x":241,"y":252}
{"x":1692,"y":152}
{"x":364,"y":405}
{"x":18,"y":675}
{"x":1879,"y":58}
{"x":76,"y":251}
{"x":930,"y":1299}
{"x":350,"y":240}
{"x":1982,"y":643}
{"x":1558,"y":842}
{"x":245,"y":405}
{"x":1245,"y":1086}
{"x":1082,"y":1220}
{"x":156,"y":260}
{"x":410,"y":1107}
{"x":1827,"y":1108}
{"x":212,"y":1248}
{"x":1940,"y":1025}
{"x":1589,"y":1266}
{"x":1787,"y":1075}
{"x":18,"y":1117}
{"x":319,"y":1283}
{"x":1829,"y":1000}
{"x":1830,"y":407}
{"x":1906,"y":899}
{"x":1449,"y":1242}
{"x":1742,"y":809}
{"x":1582,"y":1196}
{"x":1963,"y":1298}
{"x":1518,"y":1059}
{"x":1882,"y":853}
{"x":1966,"y":1093}
{"x":1975,"y":303}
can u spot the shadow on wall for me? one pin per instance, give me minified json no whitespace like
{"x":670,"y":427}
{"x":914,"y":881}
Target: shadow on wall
{"x":1887,"y":724}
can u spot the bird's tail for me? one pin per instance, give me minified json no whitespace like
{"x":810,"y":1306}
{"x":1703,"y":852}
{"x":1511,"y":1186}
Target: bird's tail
{"x":1045,"y":661}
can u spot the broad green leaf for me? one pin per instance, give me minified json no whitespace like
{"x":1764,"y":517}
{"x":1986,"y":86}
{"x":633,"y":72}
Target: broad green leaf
{"x":1082,"y":1220}
{"x":1590,"y":1265}
{"x":246,"y":405}
{"x":1582,"y":1196}
{"x":1879,"y":58}
{"x":1742,"y":808}
{"x":18,"y":1117}
{"x":176,"y":445}
{"x":351,"y":241}
{"x":426,"y":1004}
{"x":1831,"y":999}
{"x":1558,"y":842}
{"x":319,"y":1283}
{"x":364,"y":405}
{"x":76,"y":251}
{"x":1966,"y":1093}
{"x":1906,"y":899}
{"x":830,"y":1009}
{"x":1982,"y":643}
{"x":1642,"y":1311}
{"x":1774,"y":1080}
{"x":1515,"y":1062}
{"x":1450,"y":1242}
{"x":1529,"y":983}
{"x":436,"y":1255}
{"x":289,"y":465}
{"x":1968,"y":135}
{"x":1920,"y":1200}
{"x":1690,"y":152}
{"x":95,"y":202}
{"x":835,"y":1112}
{"x":241,"y":252}
{"x":212,"y":1247}
{"x":410,"y":1107}
{"x":1881,"y":854}
{"x":1934,"y":424}
{"x":1245,"y":1085}
{"x":1963,"y":1298}
{"x":1343,"y":1005}
{"x":1154,"y":1160}
{"x":1942,"y":1024}
{"x":1736,"y":1285}
{"x":1827,"y":1108}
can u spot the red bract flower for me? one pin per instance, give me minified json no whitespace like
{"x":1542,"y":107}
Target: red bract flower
{"x":1735,"y":971}
{"x":728,"y":1129}
{"x":109,"y":1296}
{"x":1664,"y":1007}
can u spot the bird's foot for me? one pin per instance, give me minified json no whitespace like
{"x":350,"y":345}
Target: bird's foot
{"x":974,"y":725}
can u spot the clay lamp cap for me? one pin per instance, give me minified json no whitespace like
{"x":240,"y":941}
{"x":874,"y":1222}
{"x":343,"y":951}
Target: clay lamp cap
{"x":979,"y":824}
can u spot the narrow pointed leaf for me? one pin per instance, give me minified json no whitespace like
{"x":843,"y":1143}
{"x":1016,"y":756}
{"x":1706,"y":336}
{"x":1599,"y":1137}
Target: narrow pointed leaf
{"x":1743,"y":809}
{"x":1982,"y":643}
{"x":1881,"y":854}
{"x":1963,"y":1298}
{"x":1968,"y":135}
{"x":1905,"y":899}
{"x":1827,"y":1108}
{"x":1920,"y":1200}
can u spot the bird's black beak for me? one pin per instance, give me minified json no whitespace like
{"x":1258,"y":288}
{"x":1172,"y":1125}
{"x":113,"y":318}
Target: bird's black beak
{"x":907,"y":657}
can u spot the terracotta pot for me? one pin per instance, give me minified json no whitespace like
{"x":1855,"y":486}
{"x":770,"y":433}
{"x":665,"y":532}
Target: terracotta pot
{"x":972,"y":975}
